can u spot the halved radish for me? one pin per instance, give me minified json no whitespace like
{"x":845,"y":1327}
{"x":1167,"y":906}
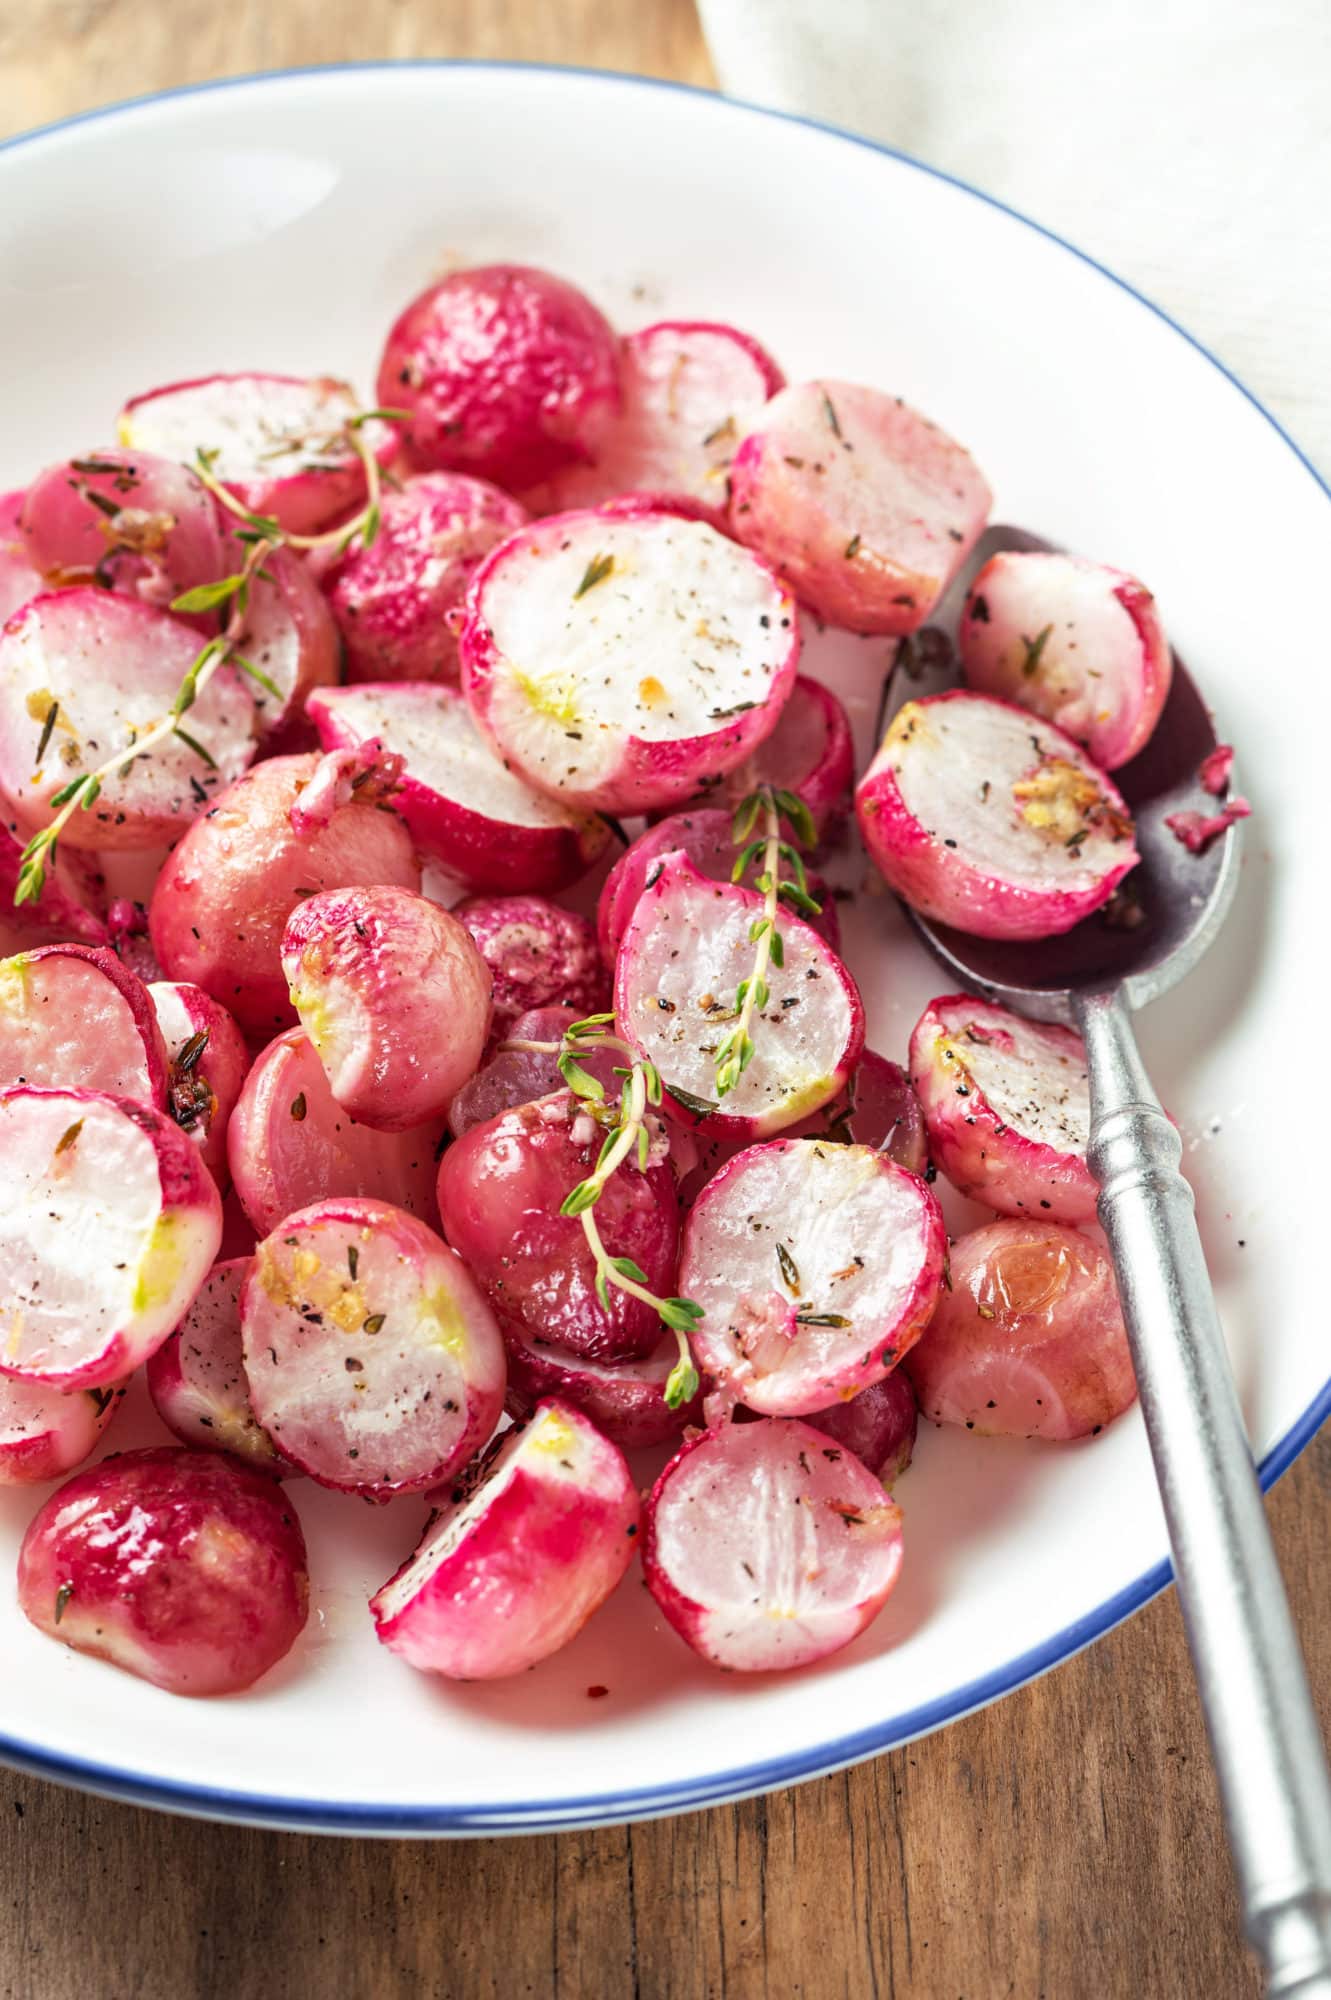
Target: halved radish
{"x":128,"y":520}
{"x":208,"y":1061}
{"x":878,"y":1425}
{"x":72,"y":1018}
{"x":692,"y":390}
{"x":683,"y":955}
{"x":394,"y":997}
{"x":538,"y":955}
{"x":532,"y":1543}
{"x":223,"y":898}
{"x":290,"y":1143}
{"x":1008,"y":1107}
{"x":864,"y":506}
{"x":197,"y":1378}
{"x":100,"y":670}
{"x":508,"y":372}
{"x":1029,"y":1340}
{"x":19,"y":580}
{"x":372,"y":1359}
{"x":289,"y":635}
{"x":464,"y":806}
{"x":768,"y":1546}
{"x":72,"y":903}
{"x":500,"y":1189}
{"x":520,"y":1076}
{"x":816,"y":1266}
{"x":810,"y":752}
{"x":983,"y":817}
{"x":279,"y":443}
{"x":1074,"y":641}
{"x":617,"y":662}
{"x":397,"y":602}
{"x":108,"y":1222}
{"x":626,"y":1400}
{"x":183,"y":1567}
{"x":45,"y":1432}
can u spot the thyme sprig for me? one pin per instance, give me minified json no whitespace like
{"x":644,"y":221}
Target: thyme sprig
{"x":768,"y":807}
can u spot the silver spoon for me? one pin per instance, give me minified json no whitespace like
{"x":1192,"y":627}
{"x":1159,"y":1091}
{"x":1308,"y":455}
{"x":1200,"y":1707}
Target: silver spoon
{"x":1265,"y":1739}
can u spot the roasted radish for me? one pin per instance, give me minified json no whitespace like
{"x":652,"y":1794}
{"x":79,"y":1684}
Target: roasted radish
{"x":533,"y":1541}
{"x":197,"y":1378}
{"x":811,"y":753}
{"x":45,"y":1432}
{"x":878,"y":1425}
{"x":20,"y":581}
{"x":127,"y":520}
{"x":72,"y":1018}
{"x":520,"y":1075}
{"x":624,"y":1399}
{"x":767,"y":1546}
{"x":538,"y":955}
{"x":1029,"y":1340}
{"x":984,"y":818}
{"x":208,"y":1063}
{"x":288,"y":634}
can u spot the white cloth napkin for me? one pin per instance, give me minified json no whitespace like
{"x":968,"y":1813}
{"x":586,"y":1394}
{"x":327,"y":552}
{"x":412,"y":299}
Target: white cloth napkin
{"x":1185,"y":143}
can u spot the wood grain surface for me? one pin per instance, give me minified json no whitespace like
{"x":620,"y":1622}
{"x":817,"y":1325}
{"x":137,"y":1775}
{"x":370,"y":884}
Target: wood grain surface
{"x":1064,"y":1843}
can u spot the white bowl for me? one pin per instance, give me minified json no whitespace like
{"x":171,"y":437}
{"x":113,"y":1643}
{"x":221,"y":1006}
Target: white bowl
{"x":279,"y":223}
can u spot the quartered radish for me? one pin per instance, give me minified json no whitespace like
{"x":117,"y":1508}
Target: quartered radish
{"x":289,"y":1143}
{"x":1029,"y":1341}
{"x":208,"y":1063}
{"x":465,"y":808}
{"x":538,"y":955}
{"x":71,"y":1017}
{"x":20,"y":581}
{"x":186,"y":1568}
{"x":128,"y":520}
{"x":683,"y":955}
{"x":398,"y":602}
{"x":692,"y":389}
{"x":618,"y":662}
{"x":519,"y":1076}
{"x":626,"y":1400}
{"x":197,"y":1378}
{"x":500,"y":1188}
{"x":395,"y":999}
{"x":82,"y":673}
{"x":45,"y":1432}
{"x":983,"y":817}
{"x":508,"y":373}
{"x":817,"y":1268}
{"x":532,"y":1543}
{"x":864,"y":506}
{"x":1008,"y":1107}
{"x":288,"y":634}
{"x":224,"y":896}
{"x":767,"y":1546}
{"x":108,"y":1222}
{"x":373,"y":1360}
{"x":878,"y":1425}
{"x":1074,"y":641}
{"x":277,"y":442}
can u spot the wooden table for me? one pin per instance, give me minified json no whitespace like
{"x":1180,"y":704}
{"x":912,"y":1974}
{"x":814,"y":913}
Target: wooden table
{"x":1064,"y":1843}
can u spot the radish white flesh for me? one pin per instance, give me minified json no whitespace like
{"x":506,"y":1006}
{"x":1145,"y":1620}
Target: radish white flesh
{"x":277,"y":442}
{"x":686,"y":948}
{"x":394,"y":997}
{"x":465,"y":807}
{"x":72,"y":1018}
{"x":45,"y":1433}
{"x":1008,"y":1107}
{"x":983,"y":817}
{"x":768,"y":1546}
{"x":108,"y":1222}
{"x":866,"y":508}
{"x":197,"y":1378}
{"x":1073,"y":641}
{"x":110,"y":668}
{"x":19,"y":580}
{"x":289,"y":635}
{"x":1029,"y":1341}
{"x":290,"y":1143}
{"x":128,"y":520}
{"x":626,"y":1400}
{"x":372,"y":1359}
{"x":816,"y":1266}
{"x":538,"y":955}
{"x":208,"y":1061}
{"x":878,"y":1425}
{"x":619,"y":662}
{"x":533,"y":1542}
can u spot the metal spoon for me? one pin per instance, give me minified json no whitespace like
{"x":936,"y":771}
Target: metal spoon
{"x":1265,"y":1739}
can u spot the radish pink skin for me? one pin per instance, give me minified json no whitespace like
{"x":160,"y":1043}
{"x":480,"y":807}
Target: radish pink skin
{"x":203,"y":1096}
{"x":69,"y":908}
{"x":520,"y":1076}
{"x":810,"y":752}
{"x":625,"y":1400}
{"x":186,"y":1568}
{"x":165,"y":541}
{"x":509,"y":373}
{"x":196,"y":1379}
{"x":878,"y":1425}
{"x":281,"y":1162}
{"x":983,"y":1154}
{"x":538,"y":955}
{"x":19,"y":580}
{"x":394,"y":601}
{"x":1029,"y":1341}
{"x":499,"y":1192}
{"x":45,"y":1433}
{"x":934,"y":879}
{"x":531,"y":1567}
{"x":486,"y":854}
{"x":836,"y":1479}
{"x":92,"y":1028}
{"x":224,"y":896}
{"x":393,"y":995}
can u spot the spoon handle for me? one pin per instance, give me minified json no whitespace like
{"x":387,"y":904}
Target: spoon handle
{"x":1265,"y":1739}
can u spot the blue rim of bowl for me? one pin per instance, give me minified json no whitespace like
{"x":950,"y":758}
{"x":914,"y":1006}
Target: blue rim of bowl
{"x":612,"y":1808}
